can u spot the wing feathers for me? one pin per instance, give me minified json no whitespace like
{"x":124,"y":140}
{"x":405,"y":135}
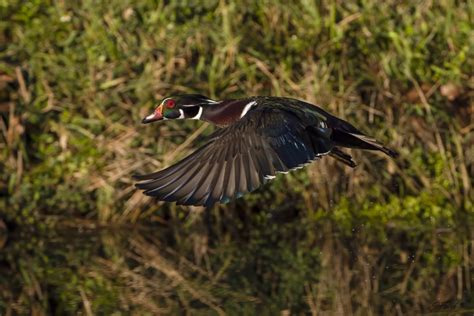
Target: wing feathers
{"x":242,"y":175}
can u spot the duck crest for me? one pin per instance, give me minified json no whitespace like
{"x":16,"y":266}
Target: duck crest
{"x":227,"y":112}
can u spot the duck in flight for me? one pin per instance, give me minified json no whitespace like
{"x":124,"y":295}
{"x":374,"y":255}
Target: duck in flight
{"x":257,"y":137}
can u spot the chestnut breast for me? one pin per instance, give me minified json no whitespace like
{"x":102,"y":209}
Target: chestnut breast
{"x":226,"y":112}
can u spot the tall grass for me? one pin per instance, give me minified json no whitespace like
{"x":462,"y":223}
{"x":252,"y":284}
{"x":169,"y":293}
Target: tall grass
{"x":78,"y":78}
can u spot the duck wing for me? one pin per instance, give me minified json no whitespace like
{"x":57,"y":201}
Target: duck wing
{"x":239,"y":158}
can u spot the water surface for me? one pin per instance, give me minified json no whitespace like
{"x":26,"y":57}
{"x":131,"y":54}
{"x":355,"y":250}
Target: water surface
{"x":217,"y":265}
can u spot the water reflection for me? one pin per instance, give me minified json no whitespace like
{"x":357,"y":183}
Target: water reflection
{"x":223,"y":267}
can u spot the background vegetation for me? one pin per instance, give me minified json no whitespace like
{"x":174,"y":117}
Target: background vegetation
{"x":392,"y":237}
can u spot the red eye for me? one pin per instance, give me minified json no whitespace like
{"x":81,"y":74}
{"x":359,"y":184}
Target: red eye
{"x":170,"y":103}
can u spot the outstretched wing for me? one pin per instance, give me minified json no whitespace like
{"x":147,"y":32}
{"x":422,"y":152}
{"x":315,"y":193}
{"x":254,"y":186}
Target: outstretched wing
{"x":238,"y":159}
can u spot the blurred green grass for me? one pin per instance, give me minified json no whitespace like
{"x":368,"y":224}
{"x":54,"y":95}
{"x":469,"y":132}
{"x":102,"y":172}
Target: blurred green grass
{"x":77,"y":77}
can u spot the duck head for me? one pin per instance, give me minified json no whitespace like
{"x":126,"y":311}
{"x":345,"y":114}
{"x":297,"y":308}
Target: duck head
{"x":184,"y":106}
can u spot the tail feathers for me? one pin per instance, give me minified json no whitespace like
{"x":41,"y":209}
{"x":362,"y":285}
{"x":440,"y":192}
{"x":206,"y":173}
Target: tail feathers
{"x":376,"y":145}
{"x":342,"y":157}
{"x":345,"y":138}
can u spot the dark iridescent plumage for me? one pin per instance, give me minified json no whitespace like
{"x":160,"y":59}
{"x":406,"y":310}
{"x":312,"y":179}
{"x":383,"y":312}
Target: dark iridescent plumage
{"x":260,"y":137}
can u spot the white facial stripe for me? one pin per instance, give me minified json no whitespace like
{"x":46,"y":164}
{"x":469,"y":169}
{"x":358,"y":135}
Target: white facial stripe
{"x":198,"y":116}
{"x":247,"y":108}
{"x":164,"y":101}
{"x":181,"y":114}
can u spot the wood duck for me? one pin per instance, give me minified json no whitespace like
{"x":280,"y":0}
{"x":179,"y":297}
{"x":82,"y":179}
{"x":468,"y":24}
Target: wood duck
{"x":257,"y":138}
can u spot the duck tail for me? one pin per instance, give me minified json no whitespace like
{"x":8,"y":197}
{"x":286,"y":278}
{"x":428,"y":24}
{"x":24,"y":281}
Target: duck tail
{"x":346,"y":135}
{"x":373,"y":144}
